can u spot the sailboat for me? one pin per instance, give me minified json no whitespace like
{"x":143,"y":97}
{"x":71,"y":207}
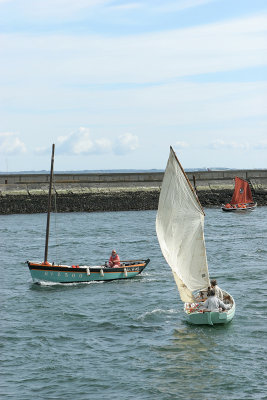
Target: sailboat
{"x":180,"y":232}
{"x":44,"y":271}
{"x":242,"y":199}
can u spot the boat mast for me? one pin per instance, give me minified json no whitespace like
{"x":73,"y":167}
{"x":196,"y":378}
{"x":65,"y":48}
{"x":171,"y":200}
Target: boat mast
{"x":49,"y":204}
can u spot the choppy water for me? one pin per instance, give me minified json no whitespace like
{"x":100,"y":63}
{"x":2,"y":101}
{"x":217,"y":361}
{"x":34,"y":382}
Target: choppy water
{"x":128,"y":339}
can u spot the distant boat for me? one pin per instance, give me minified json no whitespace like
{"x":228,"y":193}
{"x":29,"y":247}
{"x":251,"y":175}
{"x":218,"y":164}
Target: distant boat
{"x":242,"y":199}
{"x":180,"y":231}
{"x":44,"y":271}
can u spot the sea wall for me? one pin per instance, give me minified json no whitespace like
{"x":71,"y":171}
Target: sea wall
{"x":27,"y":193}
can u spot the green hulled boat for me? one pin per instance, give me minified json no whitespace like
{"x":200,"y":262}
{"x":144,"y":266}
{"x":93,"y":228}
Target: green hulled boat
{"x":47,"y":272}
{"x":44,"y":271}
{"x":196,"y":316}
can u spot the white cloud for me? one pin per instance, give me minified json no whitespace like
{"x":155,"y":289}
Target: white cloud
{"x":262,"y":145}
{"x":126,"y":143}
{"x":71,"y":10}
{"x":10,"y":144}
{"x":104,"y":144}
{"x":81,"y":142}
{"x":126,"y":6}
{"x":181,"y":145}
{"x":221,"y":144}
{"x":179,"y":5}
{"x":60,"y":8}
{"x":90,"y":59}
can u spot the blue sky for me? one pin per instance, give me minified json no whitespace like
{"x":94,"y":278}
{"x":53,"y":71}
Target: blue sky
{"x":114,"y":83}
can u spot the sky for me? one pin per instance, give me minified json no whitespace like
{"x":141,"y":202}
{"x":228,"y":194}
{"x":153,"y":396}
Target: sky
{"x":115,"y":83}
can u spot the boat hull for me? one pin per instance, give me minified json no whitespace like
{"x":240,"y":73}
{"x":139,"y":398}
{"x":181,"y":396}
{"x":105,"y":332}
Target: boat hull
{"x":209,"y":318}
{"x":41,"y":272}
{"x":240,"y":209}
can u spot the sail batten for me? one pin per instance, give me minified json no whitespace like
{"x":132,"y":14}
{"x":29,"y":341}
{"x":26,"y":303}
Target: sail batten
{"x":180,"y":230}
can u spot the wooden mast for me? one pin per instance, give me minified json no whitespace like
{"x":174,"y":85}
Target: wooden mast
{"x":49,"y":204}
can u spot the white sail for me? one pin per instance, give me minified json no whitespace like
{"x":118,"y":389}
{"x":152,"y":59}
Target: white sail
{"x":180,"y":230}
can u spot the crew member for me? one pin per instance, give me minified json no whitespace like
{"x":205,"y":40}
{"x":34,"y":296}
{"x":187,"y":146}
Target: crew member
{"x":217,"y":290}
{"x":214,"y":304}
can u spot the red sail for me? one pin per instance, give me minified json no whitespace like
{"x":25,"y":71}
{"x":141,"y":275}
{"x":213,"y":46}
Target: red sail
{"x":242,"y":192}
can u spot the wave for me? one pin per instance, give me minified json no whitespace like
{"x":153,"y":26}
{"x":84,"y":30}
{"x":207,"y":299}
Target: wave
{"x":157,"y":312}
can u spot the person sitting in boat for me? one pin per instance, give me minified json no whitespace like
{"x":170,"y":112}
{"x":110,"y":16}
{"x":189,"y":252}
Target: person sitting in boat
{"x":214,"y":304}
{"x":217,"y":290}
{"x":114,"y":259}
{"x":227,"y":299}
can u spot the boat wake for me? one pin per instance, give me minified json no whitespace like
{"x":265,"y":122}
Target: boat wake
{"x":155,"y":313}
{"x":64,"y":284}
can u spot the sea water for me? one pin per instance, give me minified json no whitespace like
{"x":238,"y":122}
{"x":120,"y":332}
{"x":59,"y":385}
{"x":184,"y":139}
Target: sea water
{"x":129,"y":339}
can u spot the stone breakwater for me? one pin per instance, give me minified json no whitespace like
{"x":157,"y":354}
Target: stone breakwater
{"x":28,"y":193}
{"x":111,"y":200}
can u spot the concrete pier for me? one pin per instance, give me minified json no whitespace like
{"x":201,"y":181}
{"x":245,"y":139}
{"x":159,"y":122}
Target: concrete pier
{"x":89,"y":192}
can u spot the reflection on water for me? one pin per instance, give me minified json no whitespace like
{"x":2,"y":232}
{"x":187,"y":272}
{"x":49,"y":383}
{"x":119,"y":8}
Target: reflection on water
{"x":189,"y":361}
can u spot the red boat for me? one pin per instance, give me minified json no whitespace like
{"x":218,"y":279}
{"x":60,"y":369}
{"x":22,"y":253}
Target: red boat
{"x":242,"y":199}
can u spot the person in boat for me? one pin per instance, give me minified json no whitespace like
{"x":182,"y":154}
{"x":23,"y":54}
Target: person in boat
{"x":114,"y":259}
{"x":217,"y":290}
{"x":214,"y":304}
{"x":227,"y":299}
{"x":203,"y":294}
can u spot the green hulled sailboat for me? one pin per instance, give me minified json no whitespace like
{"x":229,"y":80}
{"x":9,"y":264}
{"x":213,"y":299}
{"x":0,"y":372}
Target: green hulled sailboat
{"x":44,"y":271}
{"x":180,"y":231}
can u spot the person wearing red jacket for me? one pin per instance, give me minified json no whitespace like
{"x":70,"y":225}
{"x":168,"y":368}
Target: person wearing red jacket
{"x":114,"y":259}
